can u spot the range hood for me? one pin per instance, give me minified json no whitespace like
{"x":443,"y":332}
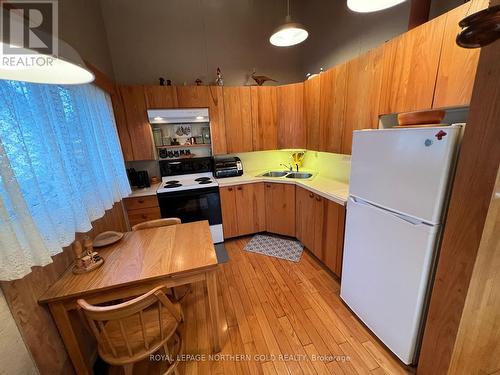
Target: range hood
{"x":178,"y":116}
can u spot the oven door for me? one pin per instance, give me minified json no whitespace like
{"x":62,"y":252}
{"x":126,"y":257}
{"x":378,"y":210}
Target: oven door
{"x":192,"y":205}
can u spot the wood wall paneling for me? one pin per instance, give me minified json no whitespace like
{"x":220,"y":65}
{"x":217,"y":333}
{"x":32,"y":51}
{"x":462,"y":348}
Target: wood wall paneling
{"x":311,"y":112}
{"x":160,"y":97}
{"x":264,"y":117}
{"x":238,"y":119}
{"x":457,"y":66}
{"x":474,"y":181}
{"x":137,"y":123}
{"x":363,"y":95}
{"x":291,"y":128}
{"x":333,"y":85}
{"x":476,"y":349}
{"x":410,"y":68}
{"x":34,"y":321}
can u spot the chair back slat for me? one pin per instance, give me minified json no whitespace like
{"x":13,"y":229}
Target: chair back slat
{"x":125,"y":337}
{"x":106,"y":336}
{"x":143,"y":327}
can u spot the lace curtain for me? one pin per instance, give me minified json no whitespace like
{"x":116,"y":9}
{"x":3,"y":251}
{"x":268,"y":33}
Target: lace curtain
{"x":61,"y":167}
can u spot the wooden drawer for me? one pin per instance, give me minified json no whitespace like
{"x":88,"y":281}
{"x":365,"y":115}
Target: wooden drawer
{"x":143,"y":214}
{"x":141,"y":202}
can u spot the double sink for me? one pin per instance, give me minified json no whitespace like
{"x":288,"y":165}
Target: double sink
{"x":296,"y":175}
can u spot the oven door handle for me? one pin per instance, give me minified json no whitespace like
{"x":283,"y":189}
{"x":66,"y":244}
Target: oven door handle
{"x":174,"y":163}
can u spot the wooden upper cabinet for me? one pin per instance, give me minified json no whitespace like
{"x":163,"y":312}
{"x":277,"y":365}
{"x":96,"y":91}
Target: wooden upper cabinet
{"x":291,"y":128}
{"x":137,"y":124}
{"x":311,"y":112}
{"x":121,"y":125}
{"x":363,"y":95}
{"x":457,"y":66}
{"x":159,"y":97}
{"x":238,"y":119}
{"x":410,"y":68}
{"x":333,"y":84}
{"x":210,"y":97}
{"x":264,"y":117}
{"x":280,"y":208}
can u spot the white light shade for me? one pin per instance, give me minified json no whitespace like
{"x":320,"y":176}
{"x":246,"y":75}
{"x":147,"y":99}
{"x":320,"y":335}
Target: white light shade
{"x":366,"y":6}
{"x":289,"y":34}
{"x":30,"y":66}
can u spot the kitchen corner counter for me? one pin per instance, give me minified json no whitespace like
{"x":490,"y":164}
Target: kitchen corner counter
{"x":144,"y":191}
{"x":333,"y":190}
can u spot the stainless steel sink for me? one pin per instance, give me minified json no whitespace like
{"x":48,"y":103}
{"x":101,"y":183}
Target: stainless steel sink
{"x":275,"y":174}
{"x":299,"y":175}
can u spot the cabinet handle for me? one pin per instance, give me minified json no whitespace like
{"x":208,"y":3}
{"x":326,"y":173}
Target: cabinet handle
{"x":268,"y":185}
{"x":311,"y":195}
{"x":144,"y":216}
{"x":140,"y":201}
{"x":229,"y":189}
{"x":318,"y":198}
{"x":239,"y":188}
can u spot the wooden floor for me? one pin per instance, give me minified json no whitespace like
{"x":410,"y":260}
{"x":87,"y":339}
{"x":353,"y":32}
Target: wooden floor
{"x":272,"y":308}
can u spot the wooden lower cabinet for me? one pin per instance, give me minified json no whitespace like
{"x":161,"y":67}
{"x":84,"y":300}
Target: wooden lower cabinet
{"x":140,"y":209}
{"x":243,"y":210}
{"x":280,"y":208}
{"x":320,"y":227}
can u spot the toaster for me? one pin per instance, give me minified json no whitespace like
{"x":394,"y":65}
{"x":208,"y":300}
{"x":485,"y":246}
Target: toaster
{"x":228,"y":166}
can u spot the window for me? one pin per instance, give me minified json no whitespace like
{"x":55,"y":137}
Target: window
{"x":61,"y":167}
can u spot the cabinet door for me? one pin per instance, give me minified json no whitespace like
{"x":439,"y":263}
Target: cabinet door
{"x":363,"y":95}
{"x":264,"y":117}
{"x":291,"y":128}
{"x":238,"y":119}
{"x":457,"y":66}
{"x":318,"y":225}
{"x":210,"y":97}
{"x":138,"y":127}
{"x":304,"y":216}
{"x":280,"y":209}
{"x":250,"y":205}
{"x":410,"y":68}
{"x":333,"y":239}
{"x":160,"y":97}
{"x":229,"y":215}
{"x":311,"y":112}
{"x":332,"y":108}
{"x":121,"y":125}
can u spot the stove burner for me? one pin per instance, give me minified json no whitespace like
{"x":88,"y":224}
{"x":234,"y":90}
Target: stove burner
{"x":202,"y":179}
{"x":171,"y":186}
{"x":172,"y":182}
{"x":205,"y":182}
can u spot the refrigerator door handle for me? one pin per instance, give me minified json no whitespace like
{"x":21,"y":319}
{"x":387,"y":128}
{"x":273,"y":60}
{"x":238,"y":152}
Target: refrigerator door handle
{"x":406,"y":218}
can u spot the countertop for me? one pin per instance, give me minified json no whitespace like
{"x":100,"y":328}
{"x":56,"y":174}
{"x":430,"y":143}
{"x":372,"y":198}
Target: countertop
{"x":333,"y":190}
{"x":145,"y":191}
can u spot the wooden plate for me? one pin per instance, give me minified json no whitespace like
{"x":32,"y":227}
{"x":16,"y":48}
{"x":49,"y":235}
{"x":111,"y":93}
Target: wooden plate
{"x":107,"y":238}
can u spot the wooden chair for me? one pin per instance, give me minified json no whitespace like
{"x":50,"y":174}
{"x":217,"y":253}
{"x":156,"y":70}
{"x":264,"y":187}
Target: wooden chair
{"x":157,"y":223}
{"x":129,"y":332}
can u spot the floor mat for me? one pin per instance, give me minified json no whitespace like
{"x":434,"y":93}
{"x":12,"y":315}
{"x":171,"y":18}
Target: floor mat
{"x":277,"y":247}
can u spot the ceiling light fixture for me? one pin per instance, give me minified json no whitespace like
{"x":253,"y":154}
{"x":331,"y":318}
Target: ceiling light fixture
{"x":290,"y":33}
{"x":30,"y":66}
{"x":367,"y":6}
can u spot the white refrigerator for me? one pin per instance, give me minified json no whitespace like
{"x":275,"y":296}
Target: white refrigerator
{"x":398,"y":190}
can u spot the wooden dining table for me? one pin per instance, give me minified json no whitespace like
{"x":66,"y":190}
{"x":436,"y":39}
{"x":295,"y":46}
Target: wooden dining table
{"x":142,"y":260}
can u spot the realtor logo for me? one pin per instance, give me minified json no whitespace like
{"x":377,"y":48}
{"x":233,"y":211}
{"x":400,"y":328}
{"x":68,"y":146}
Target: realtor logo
{"x":29,"y":27}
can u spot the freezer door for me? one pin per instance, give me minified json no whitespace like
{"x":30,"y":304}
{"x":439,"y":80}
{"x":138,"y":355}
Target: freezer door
{"x":386,"y":268}
{"x":404,"y":170}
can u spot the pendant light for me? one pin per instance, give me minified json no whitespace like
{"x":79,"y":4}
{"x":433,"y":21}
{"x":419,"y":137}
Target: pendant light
{"x":290,"y":33}
{"x":367,"y":6}
{"x":31,"y":66}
